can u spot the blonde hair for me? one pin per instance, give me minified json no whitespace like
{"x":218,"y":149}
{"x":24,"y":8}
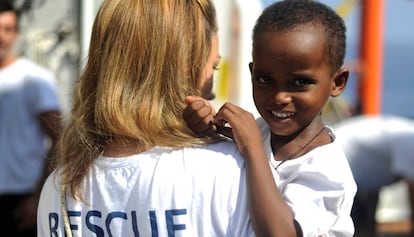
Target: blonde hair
{"x":145,"y":56}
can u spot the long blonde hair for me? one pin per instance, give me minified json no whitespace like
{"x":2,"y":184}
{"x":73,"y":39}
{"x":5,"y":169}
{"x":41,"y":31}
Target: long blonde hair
{"x":145,"y":56}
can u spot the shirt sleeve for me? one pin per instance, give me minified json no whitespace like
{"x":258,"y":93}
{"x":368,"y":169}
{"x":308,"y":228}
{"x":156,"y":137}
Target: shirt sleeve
{"x":321,"y":196}
{"x":43,"y":94}
{"x":49,"y":222}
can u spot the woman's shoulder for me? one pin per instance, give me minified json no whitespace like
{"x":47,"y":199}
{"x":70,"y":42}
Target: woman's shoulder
{"x":51,"y":191}
{"x":223,"y":152}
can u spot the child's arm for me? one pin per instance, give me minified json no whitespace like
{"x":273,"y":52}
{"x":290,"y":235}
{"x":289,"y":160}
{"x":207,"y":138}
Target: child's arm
{"x":270,"y":215}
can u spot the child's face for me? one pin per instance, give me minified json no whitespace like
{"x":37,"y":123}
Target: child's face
{"x":291,"y":78}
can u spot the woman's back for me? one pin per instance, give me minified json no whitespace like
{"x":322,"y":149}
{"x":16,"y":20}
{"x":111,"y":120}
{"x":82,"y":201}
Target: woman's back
{"x":161,"y":192}
{"x":145,"y":56}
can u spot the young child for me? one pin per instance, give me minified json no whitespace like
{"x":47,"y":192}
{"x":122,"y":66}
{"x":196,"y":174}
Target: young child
{"x":298,"y":53}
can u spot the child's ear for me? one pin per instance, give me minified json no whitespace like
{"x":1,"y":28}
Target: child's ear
{"x":339,"y":82}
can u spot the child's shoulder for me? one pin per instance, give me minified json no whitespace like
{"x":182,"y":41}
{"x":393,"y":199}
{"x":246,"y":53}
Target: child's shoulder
{"x":329,"y":154}
{"x":330,"y":162}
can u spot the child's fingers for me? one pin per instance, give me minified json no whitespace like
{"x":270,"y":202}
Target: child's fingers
{"x":229,"y":115}
{"x":244,"y":129}
{"x":203,"y":127}
{"x":190,"y":99}
{"x":199,"y":120}
{"x":196,"y":114}
{"x":195,"y":104}
{"x":225,"y":131}
{"x":199,"y":116}
{"x":193,"y":107}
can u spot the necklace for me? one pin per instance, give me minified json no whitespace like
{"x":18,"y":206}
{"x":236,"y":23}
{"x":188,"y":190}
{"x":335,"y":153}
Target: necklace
{"x":301,"y":148}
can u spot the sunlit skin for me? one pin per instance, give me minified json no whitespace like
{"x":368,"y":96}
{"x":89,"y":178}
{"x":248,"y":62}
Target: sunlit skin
{"x":8,"y":37}
{"x":291,"y":82}
{"x":208,"y":72}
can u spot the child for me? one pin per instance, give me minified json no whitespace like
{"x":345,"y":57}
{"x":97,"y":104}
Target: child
{"x":298,"y":53}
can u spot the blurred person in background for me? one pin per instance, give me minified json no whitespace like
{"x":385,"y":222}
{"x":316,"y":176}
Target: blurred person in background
{"x":29,"y":126}
{"x":380,"y":150}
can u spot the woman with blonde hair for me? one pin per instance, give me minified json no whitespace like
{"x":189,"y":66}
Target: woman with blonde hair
{"x":127,"y":163}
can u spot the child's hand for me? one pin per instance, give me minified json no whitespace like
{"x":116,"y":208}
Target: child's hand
{"x":243,"y":128}
{"x":199,"y":116}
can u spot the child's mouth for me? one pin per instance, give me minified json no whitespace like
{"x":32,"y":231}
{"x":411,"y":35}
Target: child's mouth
{"x":282,"y":115}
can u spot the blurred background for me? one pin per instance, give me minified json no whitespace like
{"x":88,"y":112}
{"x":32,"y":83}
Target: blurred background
{"x":56,"y":33}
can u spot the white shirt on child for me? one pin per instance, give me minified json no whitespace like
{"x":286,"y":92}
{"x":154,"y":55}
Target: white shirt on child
{"x":318,"y":186}
{"x":160,"y":192}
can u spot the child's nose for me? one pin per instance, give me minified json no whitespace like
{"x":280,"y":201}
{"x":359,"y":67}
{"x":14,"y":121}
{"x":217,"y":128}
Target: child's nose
{"x":282,"y":97}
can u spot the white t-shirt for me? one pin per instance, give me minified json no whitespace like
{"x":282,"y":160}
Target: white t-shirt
{"x":318,"y":187}
{"x":26,"y":91}
{"x":379,"y":148}
{"x":161,"y":192}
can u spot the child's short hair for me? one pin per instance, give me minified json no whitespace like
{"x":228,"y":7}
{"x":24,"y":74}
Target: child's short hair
{"x":288,"y":14}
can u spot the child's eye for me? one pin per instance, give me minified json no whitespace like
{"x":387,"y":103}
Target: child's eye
{"x":302,"y":82}
{"x":216,"y":68}
{"x":263,"y":80}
